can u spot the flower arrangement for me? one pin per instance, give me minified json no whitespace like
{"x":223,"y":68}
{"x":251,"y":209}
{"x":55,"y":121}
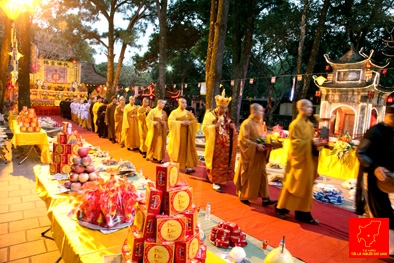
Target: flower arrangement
{"x":342,"y":148}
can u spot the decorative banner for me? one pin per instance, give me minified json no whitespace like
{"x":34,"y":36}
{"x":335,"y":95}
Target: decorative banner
{"x":251,"y":81}
{"x":55,"y":74}
{"x":299,"y":77}
{"x":273,"y":80}
{"x":203,"y":88}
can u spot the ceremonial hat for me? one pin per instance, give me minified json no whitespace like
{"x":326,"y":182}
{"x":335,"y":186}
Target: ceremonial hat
{"x":221,"y":100}
{"x":390,"y":109}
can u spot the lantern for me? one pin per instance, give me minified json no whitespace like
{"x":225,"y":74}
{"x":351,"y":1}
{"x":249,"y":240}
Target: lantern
{"x":251,"y":81}
{"x":299,"y":77}
{"x":368,"y":75}
{"x":389,"y":99}
{"x":371,"y":94}
{"x":368,"y":65}
{"x":328,"y":68}
{"x":317,"y":93}
{"x":232,"y":83}
{"x":174,"y":86}
{"x":320,"y":80}
{"x":330,"y":76}
{"x":384,"y":71}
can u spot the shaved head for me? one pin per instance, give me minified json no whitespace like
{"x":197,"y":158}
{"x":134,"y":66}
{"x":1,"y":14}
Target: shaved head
{"x":182,"y":103}
{"x":304,"y":107}
{"x":256,"y":111}
{"x":255,"y":106}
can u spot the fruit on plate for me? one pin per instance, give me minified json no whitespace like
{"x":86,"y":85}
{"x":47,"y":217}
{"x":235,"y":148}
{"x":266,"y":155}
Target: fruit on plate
{"x":111,"y":161}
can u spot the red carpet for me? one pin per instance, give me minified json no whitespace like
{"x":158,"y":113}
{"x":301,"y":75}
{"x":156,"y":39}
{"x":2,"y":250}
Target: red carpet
{"x":327,"y":242}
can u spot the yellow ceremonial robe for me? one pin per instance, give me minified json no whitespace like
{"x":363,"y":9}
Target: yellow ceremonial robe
{"x":96,"y":106}
{"x":182,"y":144}
{"x":156,"y":138}
{"x":251,"y":178}
{"x":130,"y":126}
{"x":118,"y":124}
{"x":142,"y":127}
{"x":221,"y":144}
{"x":296,"y":193}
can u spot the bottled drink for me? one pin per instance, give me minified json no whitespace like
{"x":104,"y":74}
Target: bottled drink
{"x":208,"y":211}
{"x":140,"y":176}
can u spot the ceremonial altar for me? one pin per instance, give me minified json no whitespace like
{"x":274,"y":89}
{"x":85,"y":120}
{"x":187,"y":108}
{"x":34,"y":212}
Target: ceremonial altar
{"x":328,"y":165}
{"x":75,"y":242}
{"x":30,"y":139}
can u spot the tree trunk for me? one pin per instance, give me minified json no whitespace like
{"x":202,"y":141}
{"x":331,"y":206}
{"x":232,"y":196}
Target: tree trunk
{"x":4,"y":59}
{"x":241,"y":51}
{"x":120,"y":65}
{"x":300,"y":54}
{"x":315,"y":49}
{"x":219,"y":13}
{"x":161,"y":6}
{"x":24,"y":62}
{"x":111,"y":58}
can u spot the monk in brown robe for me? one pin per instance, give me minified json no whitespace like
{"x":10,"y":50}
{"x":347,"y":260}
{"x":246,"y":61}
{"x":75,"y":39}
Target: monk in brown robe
{"x":296,"y":193}
{"x":156,"y":138}
{"x":110,"y":118}
{"x":182,"y":144}
{"x":251,"y":177}
{"x":142,"y":127}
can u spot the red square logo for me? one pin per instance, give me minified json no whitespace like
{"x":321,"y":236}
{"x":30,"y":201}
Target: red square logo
{"x":368,"y":237}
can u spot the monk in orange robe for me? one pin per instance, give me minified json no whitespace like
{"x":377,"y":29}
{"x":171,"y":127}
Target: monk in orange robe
{"x":300,"y":173}
{"x":251,"y":177}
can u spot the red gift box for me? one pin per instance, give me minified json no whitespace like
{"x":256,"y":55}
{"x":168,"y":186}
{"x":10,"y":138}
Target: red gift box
{"x":65,"y":168}
{"x":222,"y":243}
{"x":201,"y":253}
{"x":191,"y":221}
{"x":167,"y":176}
{"x":158,"y":252}
{"x":145,"y":222}
{"x":187,"y":250}
{"x":59,"y":148}
{"x":60,"y":158}
{"x":54,"y":168}
{"x":177,"y":200}
{"x":153,"y":199}
{"x":133,"y":248}
{"x":170,"y":228}
{"x":61,"y":138}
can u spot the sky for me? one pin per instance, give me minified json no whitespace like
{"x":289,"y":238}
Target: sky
{"x":131,"y":51}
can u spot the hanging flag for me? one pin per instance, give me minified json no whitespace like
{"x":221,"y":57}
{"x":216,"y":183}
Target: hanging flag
{"x":273,"y":80}
{"x":292,"y":89}
{"x":299,"y":77}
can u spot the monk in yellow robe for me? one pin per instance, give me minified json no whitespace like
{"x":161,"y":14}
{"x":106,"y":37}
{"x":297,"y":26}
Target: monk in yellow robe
{"x":130,"y":125}
{"x":220,"y":143}
{"x":156,"y":138}
{"x":182,"y":145}
{"x":296,"y":193}
{"x":251,"y":177}
{"x":142,"y":127}
{"x":119,"y":135}
{"x":95,"y":108}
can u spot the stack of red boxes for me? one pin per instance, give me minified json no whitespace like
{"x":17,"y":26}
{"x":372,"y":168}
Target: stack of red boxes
{"x":64,"y":150}
{"x":165,"y":228}
{"x":228,"y":234}
{"x":28,"y":121}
